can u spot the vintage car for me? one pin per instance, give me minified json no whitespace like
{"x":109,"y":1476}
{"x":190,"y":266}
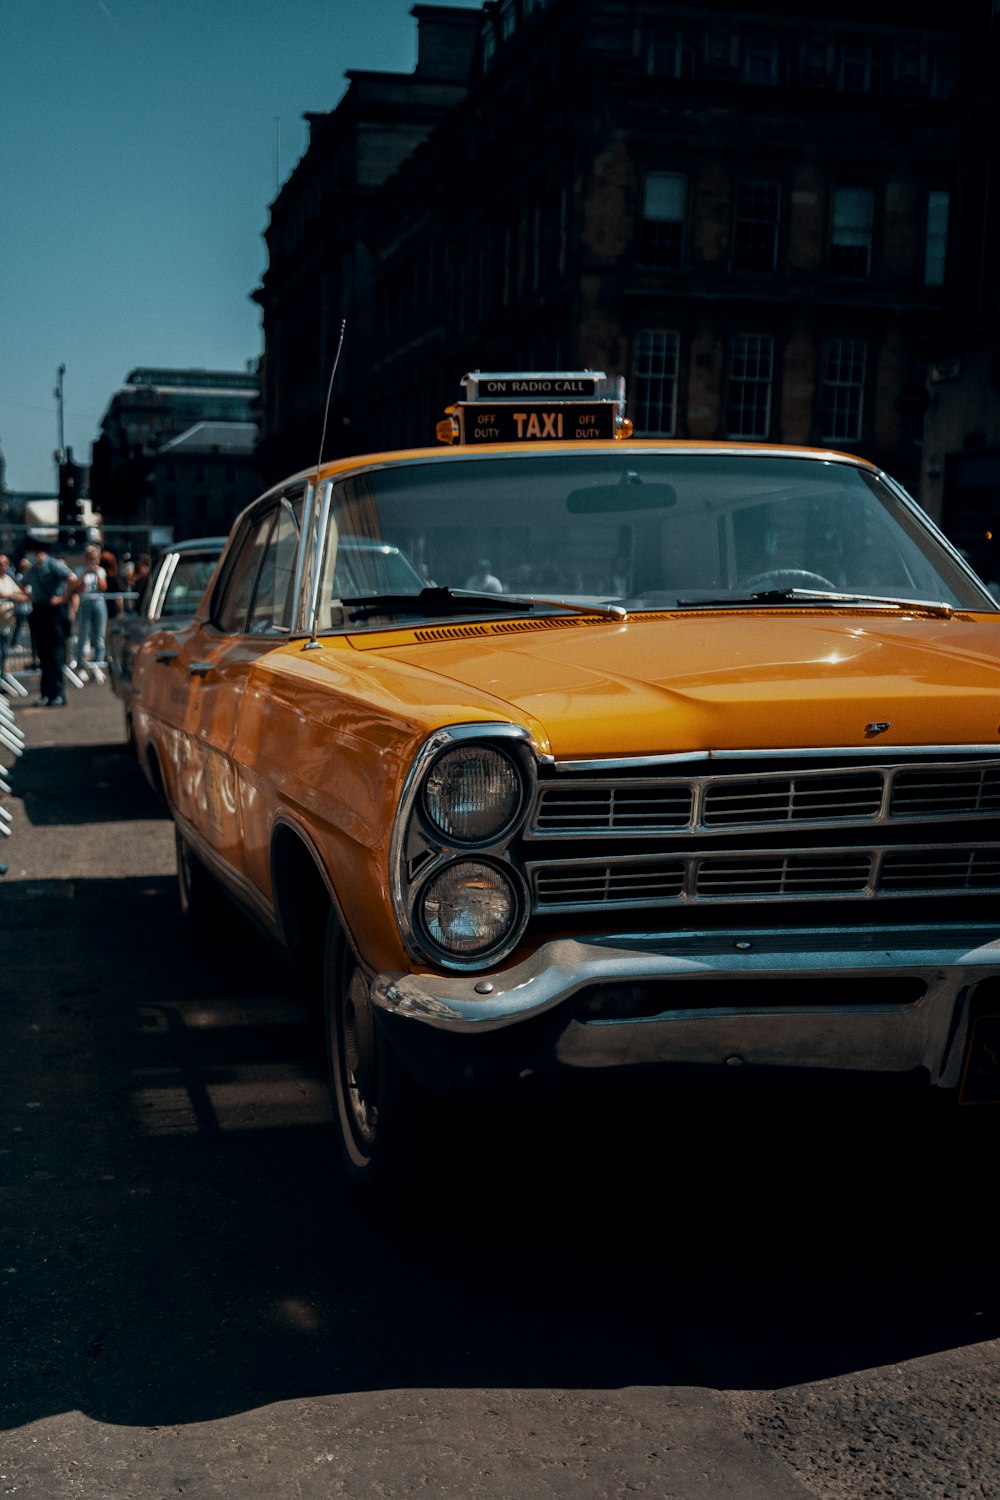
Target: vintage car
{"x":177,"y":581}
{"x":709,"y":788}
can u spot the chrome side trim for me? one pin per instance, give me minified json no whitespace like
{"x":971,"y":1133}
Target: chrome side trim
{"x":805,"y":752}
{"x":305,"y":532}
{"x":242,"y":890}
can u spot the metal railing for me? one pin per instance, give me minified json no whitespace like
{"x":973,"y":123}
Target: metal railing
{"x":11,"y":744}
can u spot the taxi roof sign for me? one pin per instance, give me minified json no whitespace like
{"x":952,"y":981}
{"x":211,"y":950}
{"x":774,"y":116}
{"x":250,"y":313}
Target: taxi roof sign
{"x":504,"y":406}
{"x":548,"y":385}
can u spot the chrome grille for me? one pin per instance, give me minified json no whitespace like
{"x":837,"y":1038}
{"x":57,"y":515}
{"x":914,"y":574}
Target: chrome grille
{"x":778,"y":875}
{"x":722,"y":804}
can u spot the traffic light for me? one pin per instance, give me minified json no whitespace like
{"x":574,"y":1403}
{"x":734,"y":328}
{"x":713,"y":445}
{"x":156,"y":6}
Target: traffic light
{"x":71,"y":486}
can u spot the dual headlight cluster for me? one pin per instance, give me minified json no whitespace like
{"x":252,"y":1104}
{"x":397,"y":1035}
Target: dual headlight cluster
{"x":470,"y":903}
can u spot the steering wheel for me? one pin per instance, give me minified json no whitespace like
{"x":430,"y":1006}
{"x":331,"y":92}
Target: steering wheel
{"x":788,"y":578}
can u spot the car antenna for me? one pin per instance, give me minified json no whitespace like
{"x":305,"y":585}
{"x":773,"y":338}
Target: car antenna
{"x":313,"y":643}
{"x":329,"y":393}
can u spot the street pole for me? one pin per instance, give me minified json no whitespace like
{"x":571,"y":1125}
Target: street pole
{"x":62,"y":427}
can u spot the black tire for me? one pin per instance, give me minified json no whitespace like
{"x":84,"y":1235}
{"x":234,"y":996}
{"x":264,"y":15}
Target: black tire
{"x":130,"y":742}
{"x":376,"y":1104}
{"x":201,"y":899}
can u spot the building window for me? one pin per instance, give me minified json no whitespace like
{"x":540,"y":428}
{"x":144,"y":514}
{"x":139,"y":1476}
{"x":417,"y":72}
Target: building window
{"x":506,"y":265}
{"x":843,"y":390}
{"x":489,"y":45}
{"x":536,"y":247}
{"x":751,"y":366}
{"x":669,"y":52}
{"x":860,"y":68}
{"x":664,"y":209}
{"x":766,"y":58}
{"x":755,"y":234}
{"x":942,"y":73}
{"x":851,"y":232}
{"x":935,"y":249}
{"x":654,"y":406}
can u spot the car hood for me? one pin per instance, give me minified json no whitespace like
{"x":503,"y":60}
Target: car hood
{"x":728,"y":680}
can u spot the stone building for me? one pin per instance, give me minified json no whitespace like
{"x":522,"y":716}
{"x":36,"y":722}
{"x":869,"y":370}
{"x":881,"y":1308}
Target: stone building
{"x":752,"y":213}
{"x":177,"y":452}
{"x":745,"y":211}
{"x":961,"y":448}
{"x":319,"y":272}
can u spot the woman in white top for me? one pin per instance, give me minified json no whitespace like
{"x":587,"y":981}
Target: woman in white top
{"x":92,"y":620}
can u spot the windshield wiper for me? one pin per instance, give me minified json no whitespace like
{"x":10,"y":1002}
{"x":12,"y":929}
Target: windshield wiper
{"x":821,"y":596}
{"x":448,"y":601}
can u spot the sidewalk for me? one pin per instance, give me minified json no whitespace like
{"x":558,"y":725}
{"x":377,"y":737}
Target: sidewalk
{"x":79,"y":803}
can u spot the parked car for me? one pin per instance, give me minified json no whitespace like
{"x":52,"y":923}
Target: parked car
{"x":176,"y":584}
{"x":711,"y":787}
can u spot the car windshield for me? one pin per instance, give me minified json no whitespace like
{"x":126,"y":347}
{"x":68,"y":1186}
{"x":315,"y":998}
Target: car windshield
{"x":644,"y":530}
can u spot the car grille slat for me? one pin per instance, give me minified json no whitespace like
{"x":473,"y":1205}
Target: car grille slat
{"x":614,"y":808}
{"x":602,"y":884}
{"x":805,"y":799}
{"x":784,"y":875}
{"x":929,"y":792}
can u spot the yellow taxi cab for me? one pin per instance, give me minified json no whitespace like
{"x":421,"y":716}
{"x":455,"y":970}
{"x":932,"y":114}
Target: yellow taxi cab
{"x":554,"y":752}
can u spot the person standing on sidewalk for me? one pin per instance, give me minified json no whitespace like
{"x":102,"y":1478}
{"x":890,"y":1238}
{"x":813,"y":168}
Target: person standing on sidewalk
{"x":92,"y":616}
{"x":11,"y":595}
{"x":49,"y":583}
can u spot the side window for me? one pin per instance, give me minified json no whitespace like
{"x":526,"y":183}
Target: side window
{"x":191,"y":578}
{"x":272,"y":601}
{"x":230,"y":613}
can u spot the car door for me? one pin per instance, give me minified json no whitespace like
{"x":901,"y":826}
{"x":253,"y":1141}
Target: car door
{"x":249,"y":616}
{"x":130,"y":627}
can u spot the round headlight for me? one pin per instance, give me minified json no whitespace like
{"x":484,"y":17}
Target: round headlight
{"x":472,"y":793}
{"x":469,"y":908}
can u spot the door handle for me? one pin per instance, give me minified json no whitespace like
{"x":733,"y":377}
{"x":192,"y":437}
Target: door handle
{"x":201,"y":668}
{"x":165,"y":656}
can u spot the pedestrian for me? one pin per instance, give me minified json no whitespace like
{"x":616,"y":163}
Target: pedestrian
{"x":49,"y":584}
{"x":116,"y":584}
{"x":484,"y":580}
{"x":11,"y":595}
{"x":140,"y":578}
{"x":92,"y":615}
{"x":22,"y":615}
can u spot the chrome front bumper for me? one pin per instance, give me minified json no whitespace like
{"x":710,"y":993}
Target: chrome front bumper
{"x":429,"y":1016}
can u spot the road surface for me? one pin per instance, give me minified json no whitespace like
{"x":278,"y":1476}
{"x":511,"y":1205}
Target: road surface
{"x":617,"y":1299}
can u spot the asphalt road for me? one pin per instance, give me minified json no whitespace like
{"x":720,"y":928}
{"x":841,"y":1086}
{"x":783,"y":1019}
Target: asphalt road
{"x":726,"y":1298}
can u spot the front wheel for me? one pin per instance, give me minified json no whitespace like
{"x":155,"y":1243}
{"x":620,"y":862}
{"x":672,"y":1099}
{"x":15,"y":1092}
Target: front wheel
{"x":376,"y":1103}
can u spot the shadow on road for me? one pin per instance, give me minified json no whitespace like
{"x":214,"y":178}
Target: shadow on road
{"x":78,"y":784}
{"x":178,"y":1244}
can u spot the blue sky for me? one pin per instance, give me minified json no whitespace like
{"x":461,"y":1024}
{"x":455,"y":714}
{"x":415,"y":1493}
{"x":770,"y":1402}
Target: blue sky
{"x":137,"y":163}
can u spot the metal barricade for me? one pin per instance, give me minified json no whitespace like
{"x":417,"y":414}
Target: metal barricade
{"x":11,"y":745}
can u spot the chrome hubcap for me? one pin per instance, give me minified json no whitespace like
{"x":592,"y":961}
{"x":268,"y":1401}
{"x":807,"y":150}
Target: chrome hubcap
{"x":359,"y":1059}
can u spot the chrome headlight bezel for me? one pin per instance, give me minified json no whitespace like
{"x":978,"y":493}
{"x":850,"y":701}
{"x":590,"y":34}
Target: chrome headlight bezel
{"x":420,"y":848}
